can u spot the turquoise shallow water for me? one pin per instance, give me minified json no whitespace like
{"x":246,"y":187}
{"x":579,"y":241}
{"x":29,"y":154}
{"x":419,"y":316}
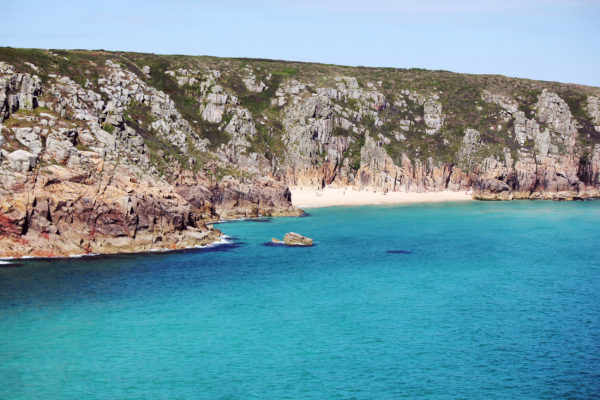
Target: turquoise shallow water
{"x":479,"y":300}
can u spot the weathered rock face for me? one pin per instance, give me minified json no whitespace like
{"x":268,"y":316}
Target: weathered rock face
{"x":593,"y":108}
{"x":251,"y":82}
{"x":77,"y":176}
{"x":317,"y":157}
{"x":123,"y":137}
{"x":29,"y":137}
{"x":432,"y":113}
{"x":21,"y":161}
{"x":63,"y":211}
{"x":232,"y":199}
{"x":17,"y":90}
{"x":553,"y":169}
{"x":310,"y":126}
{"x":471,"y":144}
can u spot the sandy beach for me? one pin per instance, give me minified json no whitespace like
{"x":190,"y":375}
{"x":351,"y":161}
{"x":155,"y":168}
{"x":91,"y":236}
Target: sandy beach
{"x":307,"y":198}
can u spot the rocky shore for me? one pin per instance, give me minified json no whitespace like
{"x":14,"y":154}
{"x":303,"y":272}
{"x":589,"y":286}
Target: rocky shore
{"x":109,"y":152}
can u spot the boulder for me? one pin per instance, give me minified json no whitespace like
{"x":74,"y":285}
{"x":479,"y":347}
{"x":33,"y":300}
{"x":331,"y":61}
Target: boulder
{"x":21,"y":160}
{"x":30,"y":138}
{"x":58,"y":147}
{"x":295,"y":239}
{"x":213,"y":113}
{"x":253,"y":86}
{"x":491,"y":189}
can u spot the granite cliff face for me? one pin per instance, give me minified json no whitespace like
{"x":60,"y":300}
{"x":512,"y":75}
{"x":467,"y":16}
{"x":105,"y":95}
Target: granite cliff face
{"x":108,"y":152}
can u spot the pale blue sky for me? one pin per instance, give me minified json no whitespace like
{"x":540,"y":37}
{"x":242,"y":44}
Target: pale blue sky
{"x":555,"y":40}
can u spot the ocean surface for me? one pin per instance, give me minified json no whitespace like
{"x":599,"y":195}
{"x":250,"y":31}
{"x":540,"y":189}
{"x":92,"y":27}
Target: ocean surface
{"x":442,"y":301}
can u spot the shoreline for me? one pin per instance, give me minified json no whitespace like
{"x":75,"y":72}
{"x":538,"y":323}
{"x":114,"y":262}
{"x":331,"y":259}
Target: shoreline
{"x":223,"y":239}
{"x":331,"y":197}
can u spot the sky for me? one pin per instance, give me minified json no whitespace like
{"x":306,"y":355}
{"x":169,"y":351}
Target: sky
{"x":554,"y":40}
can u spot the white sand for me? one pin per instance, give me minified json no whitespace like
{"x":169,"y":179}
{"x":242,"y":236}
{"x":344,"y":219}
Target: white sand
{"x":307,"y":198}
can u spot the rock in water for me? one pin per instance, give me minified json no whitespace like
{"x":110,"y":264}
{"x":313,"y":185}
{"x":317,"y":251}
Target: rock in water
{"x":295,"y":239}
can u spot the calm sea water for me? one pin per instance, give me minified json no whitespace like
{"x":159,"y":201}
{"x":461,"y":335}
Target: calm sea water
{"x":458,"y":300}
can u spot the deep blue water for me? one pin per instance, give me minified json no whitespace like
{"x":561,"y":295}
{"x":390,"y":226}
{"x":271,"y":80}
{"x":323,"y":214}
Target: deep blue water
{"x":458,"y":300}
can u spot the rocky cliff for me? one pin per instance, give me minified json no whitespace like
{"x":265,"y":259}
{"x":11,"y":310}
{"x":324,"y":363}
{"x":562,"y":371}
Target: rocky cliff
{"x":111,"y":152}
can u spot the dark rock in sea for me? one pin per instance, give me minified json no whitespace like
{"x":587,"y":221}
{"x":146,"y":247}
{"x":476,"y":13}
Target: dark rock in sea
{"x":259,"y":219}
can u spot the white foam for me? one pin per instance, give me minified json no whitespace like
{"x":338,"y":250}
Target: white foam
{"x":82,"y":255}
{"x":5,"y":262}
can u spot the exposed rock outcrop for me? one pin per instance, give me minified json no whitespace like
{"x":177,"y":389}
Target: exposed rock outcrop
{"x":64,"y":211}
{"x":252,"y":84}
{"x":432,"y":112}
{"x":126,"y":152}
{"x":593,"y":108}
{"x":96,"y":189}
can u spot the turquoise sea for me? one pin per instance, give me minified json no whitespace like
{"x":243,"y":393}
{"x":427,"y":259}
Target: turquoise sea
{"x":469,"y":300}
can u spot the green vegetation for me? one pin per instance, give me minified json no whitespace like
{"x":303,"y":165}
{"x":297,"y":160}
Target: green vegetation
{"x":81,"y":66}
{"x":339,"y":131}
{"x":108,"y":128}
{"x":213,"y":131}
{"x":357,"y":141}
{"x":186,"y":105}
{"x":269,"y":141}
{"x":353,"y":152}
{"x":527,"y":97}
{"x":162,"y":153}
{"x":139,"y":114}
{"x":576,"y":102}
{"x":257,"y":103}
